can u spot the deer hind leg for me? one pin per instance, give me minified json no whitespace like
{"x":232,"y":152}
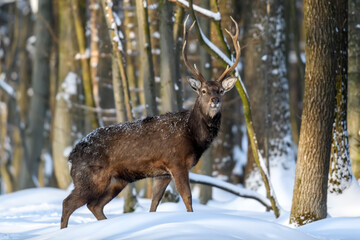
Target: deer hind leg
{"x":182,"y":183}
{"x":96,"y":206}
{"x":158,"y":190}
{"x":70,"y":204}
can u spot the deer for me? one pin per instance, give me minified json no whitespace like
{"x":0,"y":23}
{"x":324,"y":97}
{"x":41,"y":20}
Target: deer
{"x":162,"y":147}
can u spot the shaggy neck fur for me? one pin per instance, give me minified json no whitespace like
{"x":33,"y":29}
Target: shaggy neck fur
{"x":203,"y":128}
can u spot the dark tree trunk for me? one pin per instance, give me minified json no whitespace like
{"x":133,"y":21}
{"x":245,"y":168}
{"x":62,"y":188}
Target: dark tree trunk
{"x":39,"y":103}
{"x":354,"y":85}
{"x":254,"y":79}
{"x":311,"y":179}
{"x":340,"y":171}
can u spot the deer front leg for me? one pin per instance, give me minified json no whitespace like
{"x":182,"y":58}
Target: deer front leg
{"x":182,"y":183}
{"x":158,"y":190}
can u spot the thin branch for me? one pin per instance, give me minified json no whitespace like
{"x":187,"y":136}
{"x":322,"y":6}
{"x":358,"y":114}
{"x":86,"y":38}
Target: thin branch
{"x":238,"y":191}
{"x":202,"y":11}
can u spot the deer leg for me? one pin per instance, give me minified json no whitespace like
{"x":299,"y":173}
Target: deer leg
{"x":158,"y":190}
{"x":97,"y":206}
{"x":70,"y":204}
{"x":182,"y":183}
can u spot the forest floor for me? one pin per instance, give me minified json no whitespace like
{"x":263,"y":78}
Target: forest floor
{"x":36,"y":213}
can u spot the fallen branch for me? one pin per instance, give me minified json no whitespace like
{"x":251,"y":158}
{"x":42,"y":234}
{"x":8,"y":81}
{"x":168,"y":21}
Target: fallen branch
{"x":231,"y":188}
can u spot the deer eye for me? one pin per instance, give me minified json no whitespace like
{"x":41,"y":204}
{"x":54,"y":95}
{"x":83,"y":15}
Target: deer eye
{"x":221,"y":91}
{"x":203,"y":91}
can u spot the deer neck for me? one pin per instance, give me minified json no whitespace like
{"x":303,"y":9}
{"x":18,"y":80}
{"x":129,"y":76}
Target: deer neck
{"x":203,"y":128}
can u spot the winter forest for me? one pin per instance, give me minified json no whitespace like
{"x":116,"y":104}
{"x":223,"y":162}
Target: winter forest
{"x":287,"y":155}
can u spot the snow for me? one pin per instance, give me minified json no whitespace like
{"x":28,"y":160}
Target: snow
{"x":35,"y":214}
{"x":349,"y":200}
{"x":34,"y":4}
{"x":214,"y":15}
{"x":5,"y":86}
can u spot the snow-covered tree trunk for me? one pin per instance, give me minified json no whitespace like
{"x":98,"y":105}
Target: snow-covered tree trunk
{"x":281,"y":154}
{"x":254,"y":80}
{"x":269,"y":91}
{"x":340,"y":174}
{"x":354,"y":85}
{"x":310,"y":191}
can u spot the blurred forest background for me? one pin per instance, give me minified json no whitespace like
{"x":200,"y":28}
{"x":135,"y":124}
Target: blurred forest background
{"x":70,"y":66}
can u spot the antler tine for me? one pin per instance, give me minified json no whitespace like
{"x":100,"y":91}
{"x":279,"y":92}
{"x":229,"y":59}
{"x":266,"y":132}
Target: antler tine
{"x":237,"y":50}
{"x":194,"y":70}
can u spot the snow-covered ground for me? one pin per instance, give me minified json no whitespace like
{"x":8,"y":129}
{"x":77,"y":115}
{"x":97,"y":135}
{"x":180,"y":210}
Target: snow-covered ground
{"x":36,"y":213}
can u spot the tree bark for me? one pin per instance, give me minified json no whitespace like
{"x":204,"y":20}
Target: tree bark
{"x":62,"y":121}
{"x":254,"y":80}
{"x":340,"y":174}
{"x":167,"y":60}
{"x":280,"y":146}
{"x":354,"y":85}
{"x":178,"y":26}
{"x":312,"y":170}
{"x":85,"y":63}
{"x":206,"y":167}
{"x":39,"y":102}
{"x":146,"y":71}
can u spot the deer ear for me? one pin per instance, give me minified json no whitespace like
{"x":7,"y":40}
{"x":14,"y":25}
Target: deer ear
{"x":194,"y":84}
{"x":228,"y":83}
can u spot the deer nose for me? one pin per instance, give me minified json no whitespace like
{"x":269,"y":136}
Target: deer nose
{"x":215,"y":100}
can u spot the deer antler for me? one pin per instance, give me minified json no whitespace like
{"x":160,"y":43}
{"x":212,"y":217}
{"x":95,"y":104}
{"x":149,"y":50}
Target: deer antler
{"x":194,"y":70}
{"x":237,"y":50}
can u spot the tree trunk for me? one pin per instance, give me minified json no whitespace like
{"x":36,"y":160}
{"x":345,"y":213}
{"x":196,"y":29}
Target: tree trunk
{"x":206,"y":167}
{"x":354,"y":85}
{"x":340,"y":171}
{"x":280,"y":146}
{"x":167,"y":60}
{"x":131,"y":45}
{"x":312,"y":170}
{"x":84,"y":61}
{"x":254,"y":80}
{"x":62,"y":121}
{"x":178,"y":26}
{"x":146,"y":71}
{"x":39,"y":103}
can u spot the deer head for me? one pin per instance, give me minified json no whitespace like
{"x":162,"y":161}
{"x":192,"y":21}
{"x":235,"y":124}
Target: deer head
{"x":210,"y":92}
